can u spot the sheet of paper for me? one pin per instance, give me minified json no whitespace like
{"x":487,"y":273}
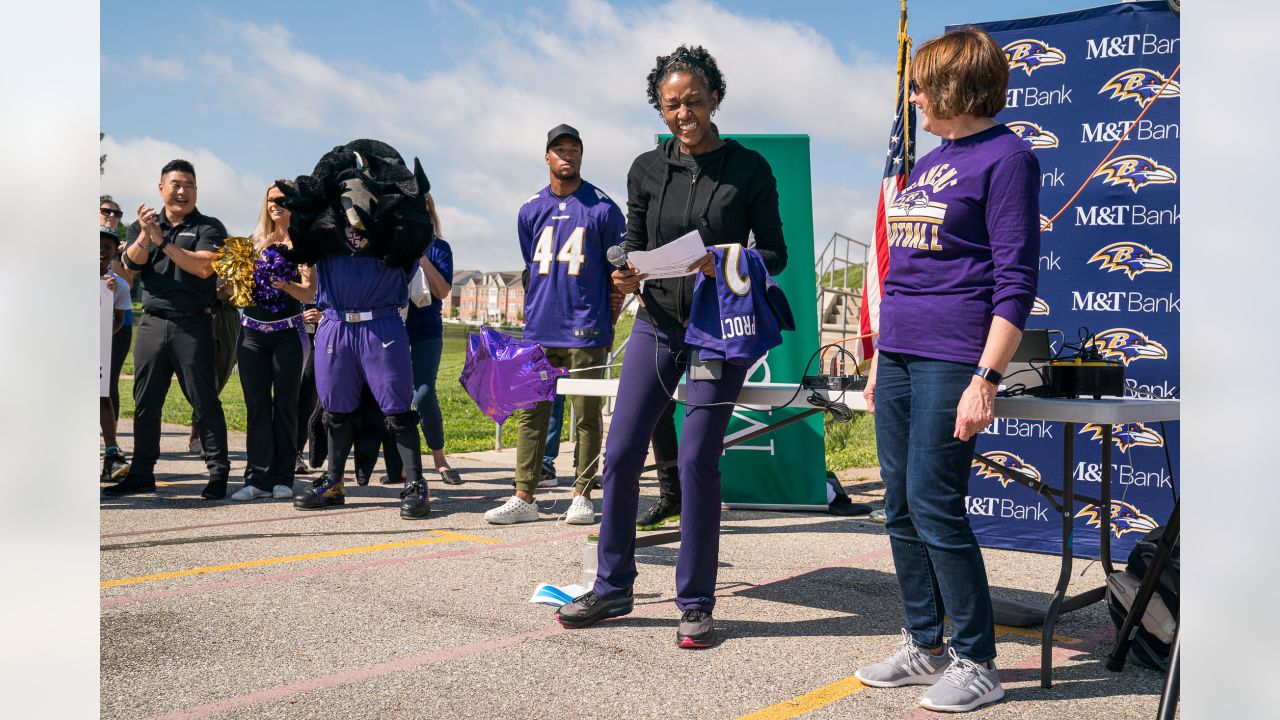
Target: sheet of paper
{"x":670,"y":260}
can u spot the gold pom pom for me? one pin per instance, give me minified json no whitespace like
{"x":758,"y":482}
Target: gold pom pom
{"x":234,"y":264}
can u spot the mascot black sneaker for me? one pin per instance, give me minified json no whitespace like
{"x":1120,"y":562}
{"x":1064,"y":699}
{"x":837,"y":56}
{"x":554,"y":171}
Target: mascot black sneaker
{"x":324,"y":492}
{"x":587,"y":610}
{"x":415,"y":503}
{"x":665,"y":511}
{"x":131,"y":485}
{"x":114,"y":465}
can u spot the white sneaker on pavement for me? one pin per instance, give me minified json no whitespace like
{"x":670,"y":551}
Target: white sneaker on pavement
{"x":249,"y":492}
{"x":908,"y":665}
{"x":581,"y":511}
{"x":965,"y":686}
{"x":514,"y":510}
{"x":282,"y":492}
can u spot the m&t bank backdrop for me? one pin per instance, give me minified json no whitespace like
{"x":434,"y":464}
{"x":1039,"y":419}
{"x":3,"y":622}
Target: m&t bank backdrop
{"x":1108,"y":264}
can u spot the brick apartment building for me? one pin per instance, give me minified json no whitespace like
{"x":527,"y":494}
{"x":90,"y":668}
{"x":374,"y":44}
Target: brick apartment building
{"x":496,"y":298}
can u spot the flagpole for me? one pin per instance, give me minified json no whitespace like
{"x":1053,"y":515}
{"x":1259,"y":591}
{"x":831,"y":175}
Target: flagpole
{"x":904,"y":83}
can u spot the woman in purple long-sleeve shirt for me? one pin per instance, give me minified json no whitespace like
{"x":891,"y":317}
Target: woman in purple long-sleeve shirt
{"x":964,"y":244}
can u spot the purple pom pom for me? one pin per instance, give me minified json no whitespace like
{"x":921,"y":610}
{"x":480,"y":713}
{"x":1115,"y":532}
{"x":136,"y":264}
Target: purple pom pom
{"x":272,"y":266}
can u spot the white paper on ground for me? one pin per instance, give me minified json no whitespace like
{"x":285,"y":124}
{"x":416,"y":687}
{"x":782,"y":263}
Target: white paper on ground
{"x":548,"y":594}
{"x":670,"y":260}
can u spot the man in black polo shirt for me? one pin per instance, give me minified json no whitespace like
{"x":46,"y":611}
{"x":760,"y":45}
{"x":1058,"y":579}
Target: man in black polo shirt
{"x":172,"y":253}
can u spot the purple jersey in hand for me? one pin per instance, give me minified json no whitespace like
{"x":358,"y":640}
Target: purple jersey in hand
{"x":564,"y":241}
{"x":739,"y":315}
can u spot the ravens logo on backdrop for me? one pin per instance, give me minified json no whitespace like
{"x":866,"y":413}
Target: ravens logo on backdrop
{"x":1136,"y":171}
{"x":1131,"y":258}
{"x":1127,"y":345}
{"x":1040,"y":307}
{"x":1036,"y":137}
{"x":1125,"y":518}
{"x":1140,"y":85}
{"x":1127,"y":435}
{"x":1031,"y":55}
{"x":1007,"y":460}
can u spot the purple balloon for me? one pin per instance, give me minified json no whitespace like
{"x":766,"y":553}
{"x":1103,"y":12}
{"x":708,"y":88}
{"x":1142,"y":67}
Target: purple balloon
{"x":503,"y":374}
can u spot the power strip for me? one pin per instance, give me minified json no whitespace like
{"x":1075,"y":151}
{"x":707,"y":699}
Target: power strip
{"x":834,"y":383}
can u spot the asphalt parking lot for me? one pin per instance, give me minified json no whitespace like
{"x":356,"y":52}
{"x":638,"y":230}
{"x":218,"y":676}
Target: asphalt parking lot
{"x":255,"y":610}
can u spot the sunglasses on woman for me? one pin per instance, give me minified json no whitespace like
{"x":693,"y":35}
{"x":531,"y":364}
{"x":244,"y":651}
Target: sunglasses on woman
{"x":110,"y":213}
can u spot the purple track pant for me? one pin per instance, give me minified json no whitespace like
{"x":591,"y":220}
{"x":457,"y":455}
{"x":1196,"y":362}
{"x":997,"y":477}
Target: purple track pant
{"x":654,"y":362}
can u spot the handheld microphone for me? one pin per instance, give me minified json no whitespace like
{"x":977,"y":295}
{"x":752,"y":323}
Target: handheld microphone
{"x":617,"y":256}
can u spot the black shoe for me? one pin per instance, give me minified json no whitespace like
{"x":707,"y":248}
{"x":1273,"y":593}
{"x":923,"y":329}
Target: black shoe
{"x":665,"y":511}
{"x":589,"y":609}
{"x":323,"y":493}
{"x":114,"y":466}
{"x":696,"y":630}
{"x":131,"y":485}
{"x":300,"y":467}
{"x":215,"y":490}
{"x":415,"y":502}
{"x":362,"y":478}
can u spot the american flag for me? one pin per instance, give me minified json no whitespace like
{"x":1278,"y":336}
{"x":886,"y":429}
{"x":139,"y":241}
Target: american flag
{"x":897,"y":167}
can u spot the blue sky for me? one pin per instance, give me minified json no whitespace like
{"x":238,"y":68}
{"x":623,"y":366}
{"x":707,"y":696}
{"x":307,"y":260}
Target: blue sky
{"x":253,"y":91}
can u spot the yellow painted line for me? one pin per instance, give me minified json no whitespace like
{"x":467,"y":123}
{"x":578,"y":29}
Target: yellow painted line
{"x":1033,"y":634}
{"x":809,"y":701}
{"x":440,"y":536}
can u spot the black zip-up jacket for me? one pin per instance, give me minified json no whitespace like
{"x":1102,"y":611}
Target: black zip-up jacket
{"x":730,"y":196}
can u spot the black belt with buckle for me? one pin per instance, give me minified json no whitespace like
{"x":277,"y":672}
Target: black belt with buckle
{"x":174,"y":315}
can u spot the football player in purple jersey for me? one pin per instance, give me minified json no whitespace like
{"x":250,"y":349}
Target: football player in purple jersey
{"x":565,"y":231}
{"x":726,"y":192}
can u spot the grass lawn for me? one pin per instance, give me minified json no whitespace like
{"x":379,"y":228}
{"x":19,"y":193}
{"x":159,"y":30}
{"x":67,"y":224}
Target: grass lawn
{"x":467,"y":429}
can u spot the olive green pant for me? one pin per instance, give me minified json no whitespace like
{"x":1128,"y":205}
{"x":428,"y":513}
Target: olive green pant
{"x":531,"y":433}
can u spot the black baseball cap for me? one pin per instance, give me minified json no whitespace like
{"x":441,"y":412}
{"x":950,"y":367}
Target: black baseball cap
{"x":560,"y":131}
{"x":102,"y":230}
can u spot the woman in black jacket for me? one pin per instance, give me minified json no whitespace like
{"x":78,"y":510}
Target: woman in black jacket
{"x":727,"y":193}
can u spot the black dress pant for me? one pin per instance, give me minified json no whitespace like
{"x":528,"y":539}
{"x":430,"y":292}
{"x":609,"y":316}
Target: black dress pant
{"x":162,"y":348}
{"x":666,"y":448}
{"x":307,"y":398}
{"x":120,"y":343}
{"x":270,"y":374}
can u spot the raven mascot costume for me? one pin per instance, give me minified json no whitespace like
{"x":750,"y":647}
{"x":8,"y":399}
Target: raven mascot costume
{"x":361,"y":219}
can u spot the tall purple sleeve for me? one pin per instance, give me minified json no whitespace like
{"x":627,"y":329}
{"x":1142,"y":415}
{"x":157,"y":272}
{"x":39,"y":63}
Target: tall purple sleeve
{"x":1013,"y":221}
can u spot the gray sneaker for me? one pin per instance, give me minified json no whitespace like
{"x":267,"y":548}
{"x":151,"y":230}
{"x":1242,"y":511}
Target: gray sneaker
{"x":908,"y":665}
{"x":696,"y":630}
{"x":965,"y":686}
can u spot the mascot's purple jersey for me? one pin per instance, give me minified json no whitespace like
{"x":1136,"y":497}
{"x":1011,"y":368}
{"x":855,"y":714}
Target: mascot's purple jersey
{"x":564,"y":241}
{"x":738,"y":316}
{"x":373,"y":352}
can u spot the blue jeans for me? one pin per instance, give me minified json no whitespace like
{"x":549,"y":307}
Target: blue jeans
{"x":926,"y":478}
{"x":553,"y":436}
{"x":425,"y":355}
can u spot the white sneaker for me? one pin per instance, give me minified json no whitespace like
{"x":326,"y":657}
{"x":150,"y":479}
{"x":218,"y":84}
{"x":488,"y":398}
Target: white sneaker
{"x":282,"y":492}
{"x":549,"y":481}
{"x":908,"y":665}
{"x":581,"y":511}
{"x":249,"y":492}
{"x":512,"y":511}
{"x":965,"y":686}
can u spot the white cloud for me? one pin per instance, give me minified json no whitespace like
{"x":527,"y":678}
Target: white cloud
{"x":478,"y":124}
{"x":132,"y":176}
{"x":164,"y":68}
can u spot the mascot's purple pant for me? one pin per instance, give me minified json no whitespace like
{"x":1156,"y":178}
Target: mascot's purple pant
{"x":374,"y":353}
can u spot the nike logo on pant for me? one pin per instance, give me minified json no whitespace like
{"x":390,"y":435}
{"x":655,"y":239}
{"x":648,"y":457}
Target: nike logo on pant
{"x":388,"y":344}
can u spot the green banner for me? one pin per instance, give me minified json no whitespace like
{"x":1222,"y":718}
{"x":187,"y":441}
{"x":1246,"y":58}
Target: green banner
{"x":788,"y":465}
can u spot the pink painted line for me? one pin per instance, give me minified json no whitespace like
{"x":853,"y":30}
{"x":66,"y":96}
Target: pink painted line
{"x":282,"y":518}
{"x":446,"y":654}
{"x":312,"y":572}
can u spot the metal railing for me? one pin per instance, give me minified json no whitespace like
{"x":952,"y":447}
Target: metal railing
{"x":841,"y":269}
